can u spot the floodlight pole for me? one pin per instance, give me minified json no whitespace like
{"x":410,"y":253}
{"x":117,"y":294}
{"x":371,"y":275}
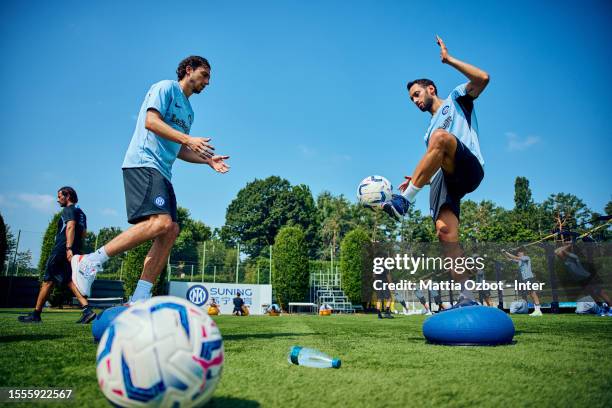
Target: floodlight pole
{"x":237,"y":260}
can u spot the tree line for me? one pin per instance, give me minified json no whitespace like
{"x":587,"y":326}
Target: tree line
{"x":307,"y":233}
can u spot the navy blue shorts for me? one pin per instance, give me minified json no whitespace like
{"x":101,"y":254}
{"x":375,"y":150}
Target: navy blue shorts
{"x":58,"y":269}
{"x":147,"y":192}
{"x":449,"y":189}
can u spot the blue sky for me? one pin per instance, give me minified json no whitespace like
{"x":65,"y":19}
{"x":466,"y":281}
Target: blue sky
{"x":310,"y":91}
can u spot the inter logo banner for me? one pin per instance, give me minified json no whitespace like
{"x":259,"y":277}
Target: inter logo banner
{"x":256,"y":297}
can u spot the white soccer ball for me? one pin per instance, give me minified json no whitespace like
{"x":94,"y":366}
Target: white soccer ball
{"x":164,"y":352}
{"x":373,"y":191}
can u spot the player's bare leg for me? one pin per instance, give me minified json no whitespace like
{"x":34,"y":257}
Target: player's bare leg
{"x":157,"y":257}
{"x":440,"y":154}
{"x":154,"y":226}
{"x":43,"y":295}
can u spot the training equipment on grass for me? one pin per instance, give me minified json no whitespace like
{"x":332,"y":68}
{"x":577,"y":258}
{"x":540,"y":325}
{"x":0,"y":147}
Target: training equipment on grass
{"x":312,"y":358}
{"x":161,"y":352}
{"x":469,"y":326}
{"x":104,"y":319}
{"x":213,"y":310}
{"x":373,"y":191}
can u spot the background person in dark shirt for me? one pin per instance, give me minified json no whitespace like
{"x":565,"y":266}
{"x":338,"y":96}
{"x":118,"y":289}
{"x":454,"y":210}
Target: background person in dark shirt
{"x":238,"y":303}
{"x":71,"y":230}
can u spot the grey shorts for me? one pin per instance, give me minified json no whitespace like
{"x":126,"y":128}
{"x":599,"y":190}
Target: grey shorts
{"x":147,"y":192}
{"x":448,"y":190}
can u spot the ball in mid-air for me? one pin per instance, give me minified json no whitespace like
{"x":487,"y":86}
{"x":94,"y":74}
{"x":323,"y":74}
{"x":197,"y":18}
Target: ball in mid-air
{"x":373,"y":191}
{"x":164,"y":352}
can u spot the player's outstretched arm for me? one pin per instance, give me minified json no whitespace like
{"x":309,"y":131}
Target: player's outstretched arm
{"x":199,"y":145}
{"x":510,"y":256}
{"x":478,"y":78}
{"x":217,"y":162}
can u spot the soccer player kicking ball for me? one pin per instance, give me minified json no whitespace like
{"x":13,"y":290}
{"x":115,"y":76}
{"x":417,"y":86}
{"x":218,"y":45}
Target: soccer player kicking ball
{"x":161,"y":135}
{"x":452,"y":163}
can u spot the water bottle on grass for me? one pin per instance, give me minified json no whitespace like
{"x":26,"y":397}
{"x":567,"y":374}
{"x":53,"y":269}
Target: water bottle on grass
{"x":312,"y":358}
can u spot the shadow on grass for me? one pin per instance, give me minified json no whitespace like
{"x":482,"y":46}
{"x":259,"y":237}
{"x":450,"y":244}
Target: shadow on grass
{"x":232,"y":402}
{"x":29,"y":337}
{"x":263,"y":335}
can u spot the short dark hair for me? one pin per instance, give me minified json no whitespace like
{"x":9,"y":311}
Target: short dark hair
{"x":192,"y":61}
{"x":424,"y":82}
{"x":69,"y":191}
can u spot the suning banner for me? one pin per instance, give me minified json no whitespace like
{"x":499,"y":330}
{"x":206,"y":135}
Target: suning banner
{"x":256,"y":297}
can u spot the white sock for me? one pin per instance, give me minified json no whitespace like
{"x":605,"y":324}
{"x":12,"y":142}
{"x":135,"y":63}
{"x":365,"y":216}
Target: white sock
{"x":537,"y":308}
{"x":99,"y":256}
{"x":411,"y":192}
{"x":142,"y":291}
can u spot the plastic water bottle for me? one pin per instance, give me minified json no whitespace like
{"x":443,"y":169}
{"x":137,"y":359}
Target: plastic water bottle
{"x":312,"y":358}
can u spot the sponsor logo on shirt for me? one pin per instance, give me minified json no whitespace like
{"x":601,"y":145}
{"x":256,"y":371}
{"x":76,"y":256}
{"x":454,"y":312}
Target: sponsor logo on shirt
{"x":180,"y":122}
{"x":445,"y":110}
{"x":447,"y":122}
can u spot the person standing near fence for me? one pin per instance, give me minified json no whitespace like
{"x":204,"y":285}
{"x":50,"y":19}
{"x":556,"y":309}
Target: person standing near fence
{"x":161,"y":135}
{"x":524,"y":264}
{"x":71,"y":230}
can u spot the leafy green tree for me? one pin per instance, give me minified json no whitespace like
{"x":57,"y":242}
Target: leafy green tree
{"x":48,"y":242}
{"x":89,"y":243}
{"x":522,"y":194}
{"x":105,"y":235}
{"x":416,"y":227}
{"x":608,"y":209}
{"x":132,"y":266}
{"x":379,"y":226}
{"x":290,"y":272}
{"x":334,"y":219}
{"x":262,"y":208}
{"x":188,"y":244}
{"x":565,"y":211}
{"x":352,"y":259}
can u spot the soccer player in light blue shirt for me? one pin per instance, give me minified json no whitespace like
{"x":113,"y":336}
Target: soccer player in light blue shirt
{"x":453,"y":163}
{"x":161,"y":135}
{"x":524,"y":264}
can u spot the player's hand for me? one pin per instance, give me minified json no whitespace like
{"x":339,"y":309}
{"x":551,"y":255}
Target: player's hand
{"x":201,"y":146}
{"x":443,"y":50}
{"x":69,"y":255}
{"x":402,"y":187}
{"x":219,"y":165}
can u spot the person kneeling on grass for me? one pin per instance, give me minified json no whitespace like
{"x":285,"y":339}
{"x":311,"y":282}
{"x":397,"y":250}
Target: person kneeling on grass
{"x":238,"y":303}
{"x":71,"y":230}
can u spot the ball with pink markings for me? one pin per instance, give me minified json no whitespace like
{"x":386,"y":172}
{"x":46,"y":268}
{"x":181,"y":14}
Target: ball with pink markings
{"x":164,"y":352}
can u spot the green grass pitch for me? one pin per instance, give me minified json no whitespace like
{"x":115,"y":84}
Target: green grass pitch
{"x":557,"y":361}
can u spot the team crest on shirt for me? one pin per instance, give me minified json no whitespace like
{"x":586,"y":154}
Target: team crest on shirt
{"x":445,"y":110}
{"x":159,"y":201}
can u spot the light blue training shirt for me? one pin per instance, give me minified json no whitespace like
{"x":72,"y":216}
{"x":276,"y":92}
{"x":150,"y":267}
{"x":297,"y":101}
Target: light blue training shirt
{"x":148,"y":149}
{"x":525,"y":267}
{"x":457,"y":116}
